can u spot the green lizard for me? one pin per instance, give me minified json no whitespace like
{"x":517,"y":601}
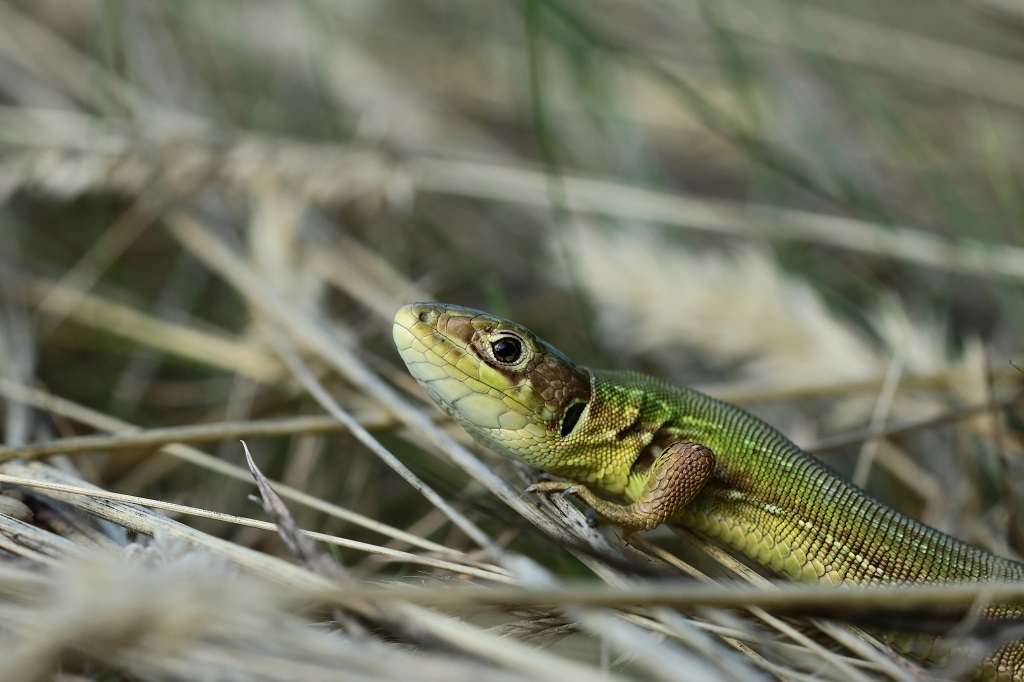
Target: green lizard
{"x":672,"y":453}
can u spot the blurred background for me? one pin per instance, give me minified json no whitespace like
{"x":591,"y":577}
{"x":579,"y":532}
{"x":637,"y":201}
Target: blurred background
{"x":814,"y":209}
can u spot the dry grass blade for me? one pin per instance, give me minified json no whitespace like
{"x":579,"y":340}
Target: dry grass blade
{"x":371,"y":173}
{"x":57,"y":300}
{"x":902,"y":53}
{"x":197,"y":433}
{"x":301,"y":583}
{"x":490,"y":574}
{"x":306,"y":378}
{"x":295,"y":538}
{"x":173,"y":613}
{"x":188,"y":454}
{"x":614,"y":200}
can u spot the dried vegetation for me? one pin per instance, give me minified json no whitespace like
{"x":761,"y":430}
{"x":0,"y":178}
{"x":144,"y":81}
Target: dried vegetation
{"x":210,"y":212}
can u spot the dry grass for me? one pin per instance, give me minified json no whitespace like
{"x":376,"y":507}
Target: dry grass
{"x":212,"y":210}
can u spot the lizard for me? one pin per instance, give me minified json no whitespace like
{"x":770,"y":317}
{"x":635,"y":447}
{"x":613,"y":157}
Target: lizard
{"x":671,"y":453}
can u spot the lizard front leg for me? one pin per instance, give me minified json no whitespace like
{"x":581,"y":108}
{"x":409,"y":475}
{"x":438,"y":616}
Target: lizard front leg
{"x":675,"y":478}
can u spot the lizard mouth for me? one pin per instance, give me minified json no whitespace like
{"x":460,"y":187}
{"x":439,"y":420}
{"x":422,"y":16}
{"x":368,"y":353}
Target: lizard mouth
{"x":425,"y":350}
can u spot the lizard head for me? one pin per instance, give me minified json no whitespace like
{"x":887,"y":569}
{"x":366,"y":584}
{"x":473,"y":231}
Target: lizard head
{"x":506,"y":386}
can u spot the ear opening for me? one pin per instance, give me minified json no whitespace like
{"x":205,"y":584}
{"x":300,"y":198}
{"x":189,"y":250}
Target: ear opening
{"x":572,"y":415}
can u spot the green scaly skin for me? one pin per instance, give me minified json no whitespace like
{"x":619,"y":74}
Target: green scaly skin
{"x":631,"y":436}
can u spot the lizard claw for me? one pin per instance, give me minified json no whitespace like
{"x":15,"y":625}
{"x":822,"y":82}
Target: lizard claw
{"x":551,"y":487}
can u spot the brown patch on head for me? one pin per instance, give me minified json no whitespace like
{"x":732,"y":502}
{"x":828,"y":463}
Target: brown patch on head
{"x":558,"y":384}
{"x":540,"y":369}
{"x":458,"y":327}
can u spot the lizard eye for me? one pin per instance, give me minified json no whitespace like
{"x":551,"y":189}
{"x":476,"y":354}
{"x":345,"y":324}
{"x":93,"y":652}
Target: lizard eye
{"x":507,"y":349}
